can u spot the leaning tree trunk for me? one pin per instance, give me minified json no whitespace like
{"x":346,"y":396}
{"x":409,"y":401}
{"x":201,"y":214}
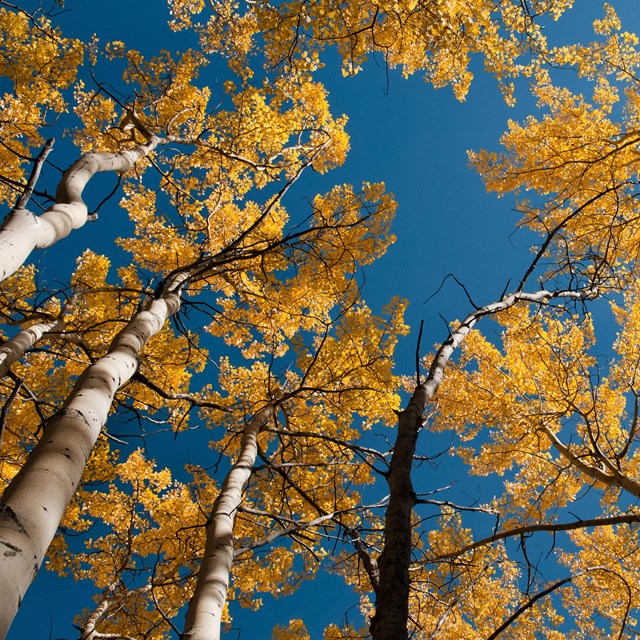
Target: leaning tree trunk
{"x":34,"y":502}
{"x":15,"y":348}
{"x":391,"y":619}
{"x":22,"y":231}
{"x":204,"y":614}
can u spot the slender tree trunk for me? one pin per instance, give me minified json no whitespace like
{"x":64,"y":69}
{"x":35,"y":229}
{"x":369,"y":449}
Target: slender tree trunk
{"x":22,"y":231}
{"x":13,"y":350}
{"x":34,"y":502}
{"x":392,"y":602}
{"x":204,"y":614}
{"x":391,"y":619}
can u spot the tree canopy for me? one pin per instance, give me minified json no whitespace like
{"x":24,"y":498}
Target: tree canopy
{"x":200,"y":410}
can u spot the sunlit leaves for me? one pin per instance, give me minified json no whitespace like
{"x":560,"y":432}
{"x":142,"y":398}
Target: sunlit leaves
{"x":579,"y":158}
{"x":295,"y":630}
{"x":38,"y":65}
{"x":272,"y":316}
{"x":144,"y":519}
{"x":438,"y":40}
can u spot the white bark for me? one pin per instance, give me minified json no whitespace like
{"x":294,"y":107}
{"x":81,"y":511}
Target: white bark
{"x":22,"y":231}
{"x":34,"y":502}
{"x":13,"y":350}
{"x":614,"y":477}
{"x":204,"y":614}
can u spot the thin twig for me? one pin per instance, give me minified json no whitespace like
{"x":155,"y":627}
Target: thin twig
{"x":21,"y":202}
{"x":418,"y":345}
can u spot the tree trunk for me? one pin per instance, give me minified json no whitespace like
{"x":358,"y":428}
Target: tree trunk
{"x":392,"y":602}
{"x":13,"y":350}
{"x":34,"y":502}
{"x":390,"y":621}
{"x":22,"y":231}
{"x":204,"y":614}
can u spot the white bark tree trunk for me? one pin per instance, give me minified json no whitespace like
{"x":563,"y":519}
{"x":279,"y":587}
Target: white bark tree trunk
{"x":22,"y":231}
{"x":34,"y":502}
{"x":13,"y":350}
{"x":204,"y":614}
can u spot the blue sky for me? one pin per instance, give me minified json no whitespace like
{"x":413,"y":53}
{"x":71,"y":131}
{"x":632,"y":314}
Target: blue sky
{"x":415,"y":139}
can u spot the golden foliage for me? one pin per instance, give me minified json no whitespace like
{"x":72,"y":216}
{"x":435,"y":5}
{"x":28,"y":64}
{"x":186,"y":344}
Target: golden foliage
{"x":272,"y":315}
{"x":39,"y":64}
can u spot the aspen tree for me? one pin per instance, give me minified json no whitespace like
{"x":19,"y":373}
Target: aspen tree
{"x":58,"y":460}
{"x":341,"y":383}
{"x":21,"y":231}
{"x":392,"y":603}
{"x":582,"y":165}
{"x":207,"y":603}
{"x":35,"y":500}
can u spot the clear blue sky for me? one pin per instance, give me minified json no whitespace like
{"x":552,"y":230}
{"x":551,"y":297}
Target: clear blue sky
{"x":415,"y":139}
